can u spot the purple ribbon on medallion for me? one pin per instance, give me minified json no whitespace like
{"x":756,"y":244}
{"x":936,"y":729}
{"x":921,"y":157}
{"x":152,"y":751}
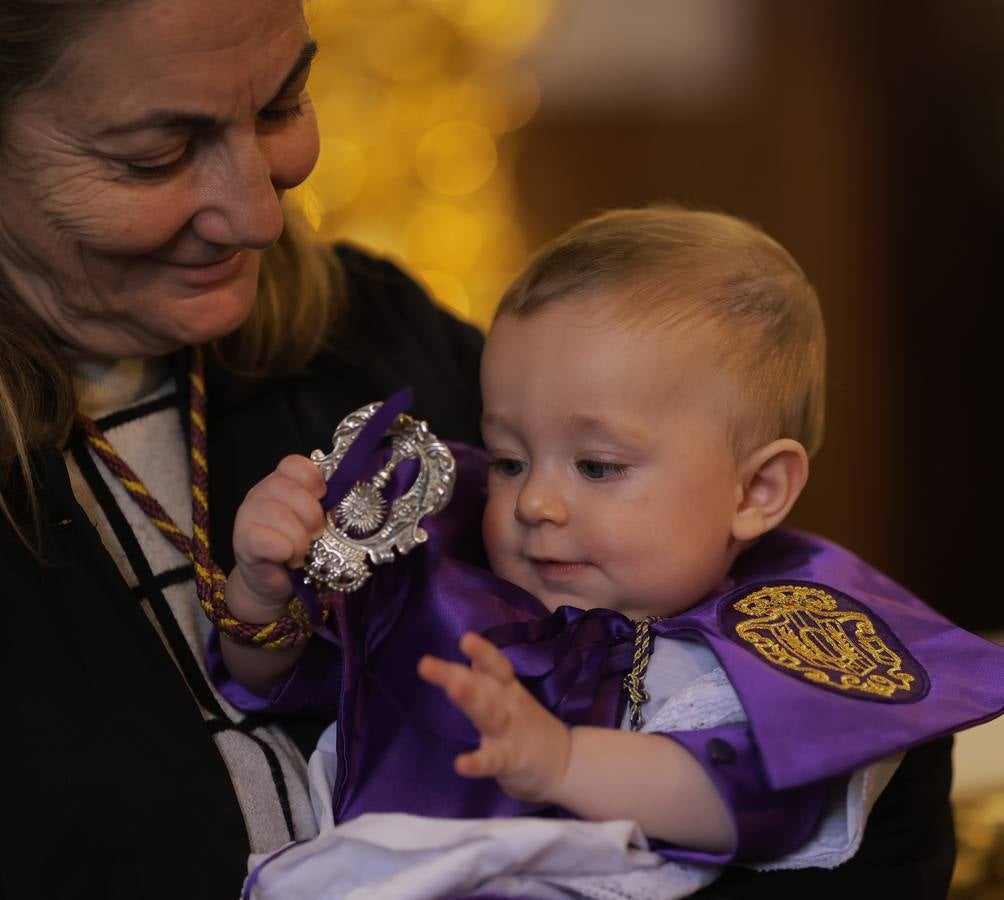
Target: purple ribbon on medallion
{"x":350,"y":470}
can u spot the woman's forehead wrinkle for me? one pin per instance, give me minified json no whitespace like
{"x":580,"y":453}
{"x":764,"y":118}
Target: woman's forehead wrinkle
{"x":240,"y":57}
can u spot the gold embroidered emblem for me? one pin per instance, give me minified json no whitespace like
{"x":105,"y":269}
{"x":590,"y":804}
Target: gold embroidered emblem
{"x":803,"y":629}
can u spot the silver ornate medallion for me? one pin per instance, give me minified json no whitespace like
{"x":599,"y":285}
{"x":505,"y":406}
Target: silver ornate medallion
{"x":361,"y":527}
{"x":362,"y":510}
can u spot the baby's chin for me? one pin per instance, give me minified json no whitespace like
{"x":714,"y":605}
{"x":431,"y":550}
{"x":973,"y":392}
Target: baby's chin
{"x":554,"y":600}
{"x":566,"y":586}
{"x":635,"y":611}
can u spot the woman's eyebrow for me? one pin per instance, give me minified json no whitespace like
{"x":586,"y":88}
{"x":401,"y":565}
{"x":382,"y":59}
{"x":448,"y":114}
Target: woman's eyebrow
{"x":303,"y":62}
{"x":164,"y":119}
{"x":167,"y":119}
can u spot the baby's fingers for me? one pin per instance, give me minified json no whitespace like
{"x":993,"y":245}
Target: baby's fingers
{"x":271,"y":531}
{"x":476,"y":695}
{"x":485,"y":762}
{"x":302,"y":471}
{"x":279,"y":490}
{"x":486,"y":657}
{"x":273,"y":546}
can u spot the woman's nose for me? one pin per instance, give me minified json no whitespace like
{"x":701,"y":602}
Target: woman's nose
{"x":540,"y":500}
{"x":239,"y":203}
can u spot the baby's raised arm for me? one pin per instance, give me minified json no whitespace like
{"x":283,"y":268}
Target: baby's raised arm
{"x":596,"y":773}
{"x":273,"y":530}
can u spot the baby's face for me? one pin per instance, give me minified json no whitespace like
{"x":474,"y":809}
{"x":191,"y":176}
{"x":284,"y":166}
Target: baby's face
{"x":612,"y":481}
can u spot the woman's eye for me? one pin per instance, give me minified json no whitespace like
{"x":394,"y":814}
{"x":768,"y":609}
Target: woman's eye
{"x":507,"y":468}
{"x":155,"y":170}
{"x":596,"y":470}
{"x":279,"y":115}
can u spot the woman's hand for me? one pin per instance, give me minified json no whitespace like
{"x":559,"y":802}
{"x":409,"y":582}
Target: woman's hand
{"x":273,"y":530}
{"x":523,"y":745}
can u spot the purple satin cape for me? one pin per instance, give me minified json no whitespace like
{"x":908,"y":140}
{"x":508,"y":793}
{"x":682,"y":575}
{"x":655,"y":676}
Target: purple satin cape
{"x":398,"y":736}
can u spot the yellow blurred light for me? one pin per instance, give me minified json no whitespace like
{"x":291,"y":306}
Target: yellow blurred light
{"x":443,"y":236}
{"x":447,"y":289}
{"x":428,"y":103}
{"x":506,"y":98}
{"x":360,"y":109}
{"x":456,"y":158}
{"x":392,"y":172}
{"x":411,"y":96}
{"x":409,"y":44}
{"x":506,"y":26}
{"x":341,"y":168}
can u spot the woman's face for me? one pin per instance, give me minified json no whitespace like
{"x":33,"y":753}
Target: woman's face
{"x":142,"y":180}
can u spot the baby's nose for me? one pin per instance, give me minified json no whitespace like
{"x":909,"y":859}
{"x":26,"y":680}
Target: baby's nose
{"x":540,"y":501}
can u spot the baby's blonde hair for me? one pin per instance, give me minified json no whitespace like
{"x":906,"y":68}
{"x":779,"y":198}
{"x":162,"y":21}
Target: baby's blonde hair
{"x":668,"y":265}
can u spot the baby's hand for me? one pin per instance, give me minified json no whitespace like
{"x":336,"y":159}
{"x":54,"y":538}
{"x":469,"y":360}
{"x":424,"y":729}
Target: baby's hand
{"x":523,"y":745}
{"x":275,"y":525}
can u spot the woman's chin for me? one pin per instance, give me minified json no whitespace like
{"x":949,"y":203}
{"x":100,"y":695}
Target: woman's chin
{"x":219,"y":310}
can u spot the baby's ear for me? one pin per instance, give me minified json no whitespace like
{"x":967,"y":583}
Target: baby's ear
{"x":771,"y":478}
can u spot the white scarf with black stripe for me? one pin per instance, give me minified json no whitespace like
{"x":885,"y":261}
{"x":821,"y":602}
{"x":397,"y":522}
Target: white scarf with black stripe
{"x":135,"y":403}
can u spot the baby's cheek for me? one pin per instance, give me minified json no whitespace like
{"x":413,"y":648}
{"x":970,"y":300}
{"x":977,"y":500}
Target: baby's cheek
{"x":622,"y":534}
{"x":493,"y":531}
{"x":635,"y":553}
{"x":501,"y":545}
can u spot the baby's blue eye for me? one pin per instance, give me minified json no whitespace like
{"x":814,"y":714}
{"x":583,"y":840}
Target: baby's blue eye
{"x":597,"y":470}
{"x":506,"y":467}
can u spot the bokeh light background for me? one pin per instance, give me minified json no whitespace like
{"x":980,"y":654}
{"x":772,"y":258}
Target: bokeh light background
{"x":420,"y":103}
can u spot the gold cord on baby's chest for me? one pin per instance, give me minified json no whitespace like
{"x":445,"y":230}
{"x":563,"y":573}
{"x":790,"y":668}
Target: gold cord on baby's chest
{"x":634,"y":681}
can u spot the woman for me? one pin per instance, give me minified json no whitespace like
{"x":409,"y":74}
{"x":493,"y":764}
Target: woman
{"x":145,"y":146}
{"x":144,"y":151}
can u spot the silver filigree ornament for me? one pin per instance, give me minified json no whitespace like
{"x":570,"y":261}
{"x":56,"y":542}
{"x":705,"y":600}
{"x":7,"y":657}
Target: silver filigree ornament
{"x":362,"y":509}
{"x":361,"y":527}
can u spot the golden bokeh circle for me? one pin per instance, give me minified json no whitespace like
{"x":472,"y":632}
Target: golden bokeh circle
{"x":456,"y":158}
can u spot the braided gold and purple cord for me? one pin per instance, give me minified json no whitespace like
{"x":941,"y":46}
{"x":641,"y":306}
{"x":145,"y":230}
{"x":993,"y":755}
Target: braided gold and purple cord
{"x":634,"y":681}
{"x":288,"y":631}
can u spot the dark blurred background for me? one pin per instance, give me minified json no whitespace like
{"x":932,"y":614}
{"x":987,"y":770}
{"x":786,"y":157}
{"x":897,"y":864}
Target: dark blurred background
{"x":867,"y":138}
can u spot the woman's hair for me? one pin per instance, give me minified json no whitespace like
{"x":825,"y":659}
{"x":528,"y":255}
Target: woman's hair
{"x":671,"y":266}
{"x":290,"y":322}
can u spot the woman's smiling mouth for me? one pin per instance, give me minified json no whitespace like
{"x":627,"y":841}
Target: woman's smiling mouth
{"x":208,"y":273}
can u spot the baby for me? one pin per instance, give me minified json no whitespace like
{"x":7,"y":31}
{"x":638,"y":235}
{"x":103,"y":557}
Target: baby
{"x":653,"y":391}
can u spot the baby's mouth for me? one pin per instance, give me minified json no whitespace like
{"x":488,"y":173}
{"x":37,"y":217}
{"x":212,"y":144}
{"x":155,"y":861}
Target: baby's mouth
{"x":558,"y":569}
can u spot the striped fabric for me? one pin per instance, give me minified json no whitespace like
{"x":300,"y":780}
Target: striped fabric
{"x":135,"y":404}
